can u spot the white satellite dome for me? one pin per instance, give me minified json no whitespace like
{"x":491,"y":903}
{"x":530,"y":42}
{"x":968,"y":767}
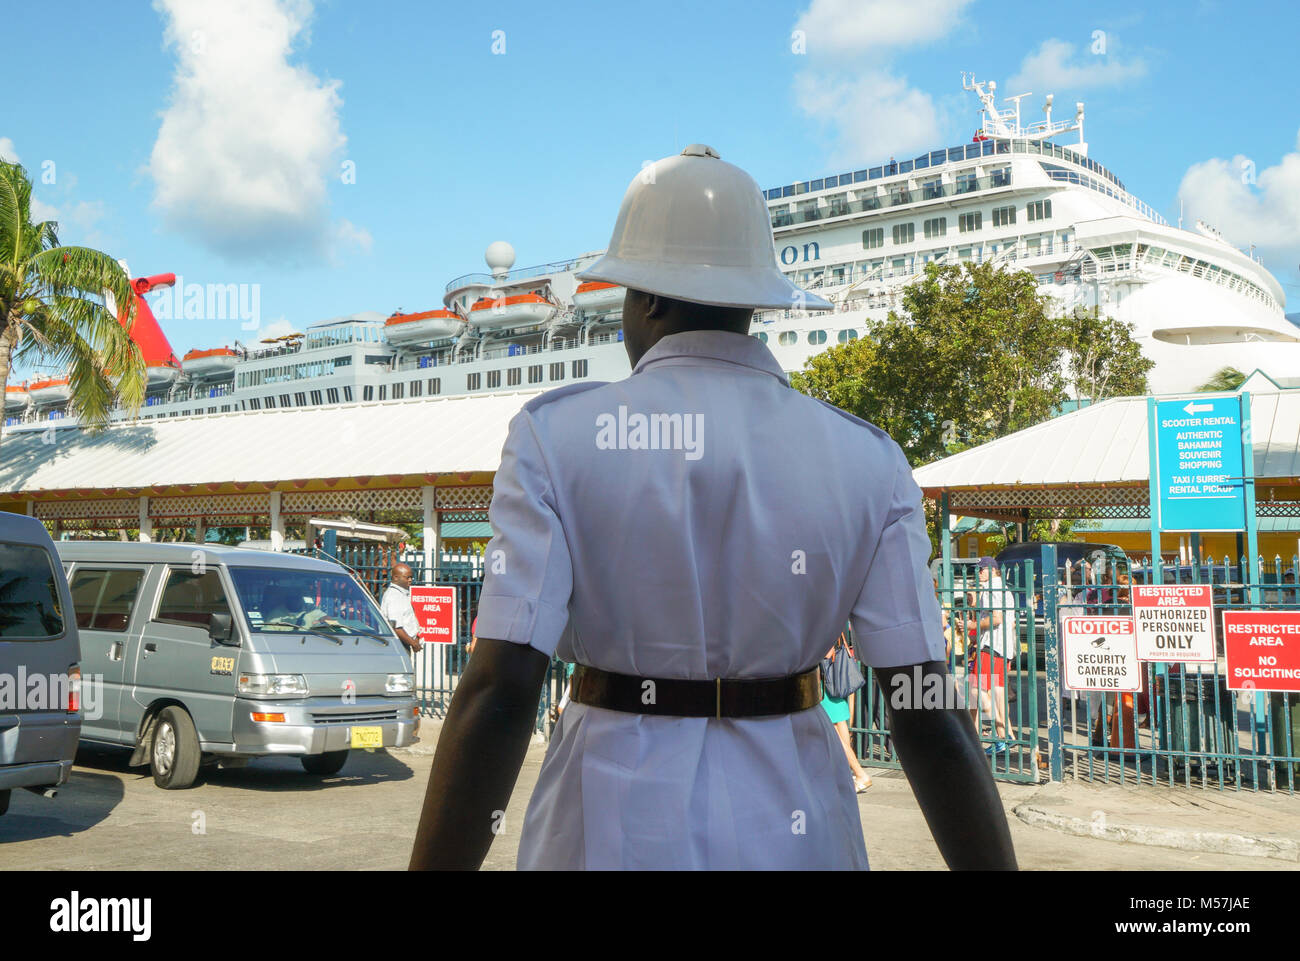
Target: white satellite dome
{"x":500,"y":257}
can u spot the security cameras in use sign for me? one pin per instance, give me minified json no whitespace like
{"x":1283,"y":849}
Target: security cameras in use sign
{"x":1101,"y":654}
{"x":1175,"y":622}
{"x":435,"y":611}
{"x":1262,"y":650}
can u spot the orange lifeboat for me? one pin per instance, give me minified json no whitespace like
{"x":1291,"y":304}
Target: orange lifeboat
{"x":422,"y":327}
{"x":16,"y":397}
{"x":205,"y":363}
{"x":597,"y":295}
{"x":52,"y":391}
{"x":516,"y":311}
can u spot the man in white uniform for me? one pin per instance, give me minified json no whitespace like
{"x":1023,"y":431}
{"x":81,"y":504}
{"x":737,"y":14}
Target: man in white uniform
{"x":396,"y":607}
{"x":681,"y":534}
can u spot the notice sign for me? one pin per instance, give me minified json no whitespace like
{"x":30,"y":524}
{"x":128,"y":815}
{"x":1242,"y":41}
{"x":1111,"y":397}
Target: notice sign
{"x":435,"y":609}
{"x":1262,"y":649}
{"x":1198,"y":444}
{"x":1101,"y":654}
{"x":1175,"y":622}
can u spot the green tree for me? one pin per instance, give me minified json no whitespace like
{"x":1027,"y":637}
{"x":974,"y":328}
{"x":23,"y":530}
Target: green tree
{"x":975,"y":354}
{"x":1226,"y":378}
{"x":52,"y":308}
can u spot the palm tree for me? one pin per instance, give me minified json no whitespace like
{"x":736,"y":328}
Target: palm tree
{"x":53,"y":309}
{"x":1226,"y":378}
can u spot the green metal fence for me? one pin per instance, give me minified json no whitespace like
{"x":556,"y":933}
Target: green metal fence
{"x":438,"y":667}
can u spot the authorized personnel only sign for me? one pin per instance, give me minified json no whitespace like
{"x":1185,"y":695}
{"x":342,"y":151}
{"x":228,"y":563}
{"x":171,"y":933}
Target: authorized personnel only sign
{"x":435,"y":609}
{"x":1262,"y":649}
{"x":1175,"y":622}
{"x":1101,"y":654}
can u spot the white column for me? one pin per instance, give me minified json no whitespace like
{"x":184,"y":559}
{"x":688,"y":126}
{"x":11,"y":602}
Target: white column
{"x":277,"y":523}
{"x":29,"y":508}
{"x":146,"y":525}
{"x":432,"y":538}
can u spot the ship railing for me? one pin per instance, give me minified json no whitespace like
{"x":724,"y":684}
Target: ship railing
{"x":897,"y":197}
{"x":523,"y":273}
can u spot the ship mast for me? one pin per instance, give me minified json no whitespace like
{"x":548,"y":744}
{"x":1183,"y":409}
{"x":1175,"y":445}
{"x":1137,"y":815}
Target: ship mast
{"x":1006,"y":123}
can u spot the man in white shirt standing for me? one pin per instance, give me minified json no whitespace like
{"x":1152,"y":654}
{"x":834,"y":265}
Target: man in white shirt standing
{"x":396,"y":607}
{"x":997,"y":641}
{"x":694,"y":537}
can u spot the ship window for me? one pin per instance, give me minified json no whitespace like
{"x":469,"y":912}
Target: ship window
{"x":844,"y":336}
{"x":1039,"y":210}
{"x":300,"y":399}
{"x":904,"y":233}
{"x":399,"y":390}
{"x":557,"y":371}
{"x":383,"y":392}
{"x":368,"y":392}
{"x":873,"y":238}
{"x":936,"y":227}
{"x":786,"y":338}
{"x":1002,"y":216}
{"x":285,"y":401}
{"x":435,"y":386}
{"x":535,"y":374}
{"x":816,"y":336}
{"x":968,"y":222}
{"x":254,"y":404}
{"x":225,"y":408}
{"x":579,"y":368}
{"x":514,"y":376}
{"x":347,"y":394}
{"x":270,"y":403}
{"x":762,"y":336}
{"x":417,"y":388}
{"x":332,"y":394}
{"x":473,"y":381}
{"x":493,"y":378}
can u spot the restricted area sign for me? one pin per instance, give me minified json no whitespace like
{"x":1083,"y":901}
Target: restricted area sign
{"x":1262,"y":650}
{"x":1198,"y":445}
{"x":435,"y":610}
{"x":1175,"y":622}
{"x":1101,"y":654}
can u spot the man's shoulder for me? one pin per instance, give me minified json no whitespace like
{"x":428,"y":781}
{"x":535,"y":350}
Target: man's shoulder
{"x":856,"y":421}
{"x":559,"y":393}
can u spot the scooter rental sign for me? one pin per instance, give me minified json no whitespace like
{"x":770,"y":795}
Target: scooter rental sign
{"x":1175,"y":622}
{"x":1101,"y":654}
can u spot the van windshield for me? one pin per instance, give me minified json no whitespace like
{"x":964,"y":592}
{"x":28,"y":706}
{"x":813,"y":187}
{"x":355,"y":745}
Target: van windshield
{"x":285,"y":600}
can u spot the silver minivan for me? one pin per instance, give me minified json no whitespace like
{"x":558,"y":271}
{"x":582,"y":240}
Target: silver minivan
{"x":202,"y":653}
{"x":40,"y":716}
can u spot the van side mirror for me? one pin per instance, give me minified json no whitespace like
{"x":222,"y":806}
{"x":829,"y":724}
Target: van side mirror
{"x":221,"y":627}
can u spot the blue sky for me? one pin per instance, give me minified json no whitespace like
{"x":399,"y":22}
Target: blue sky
{"x":214,"y":140}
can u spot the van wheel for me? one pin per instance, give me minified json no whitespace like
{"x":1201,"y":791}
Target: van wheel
{"x":4,"y":800}
{"x":174,"y":755}
{"x":331,"y":762}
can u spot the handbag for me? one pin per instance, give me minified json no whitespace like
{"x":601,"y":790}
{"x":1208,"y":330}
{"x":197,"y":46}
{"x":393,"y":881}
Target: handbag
{"x":841,"y":673}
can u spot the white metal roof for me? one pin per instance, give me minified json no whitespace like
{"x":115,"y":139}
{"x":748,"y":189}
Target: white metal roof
{"x":1106,"y":443}
{"x":424,"y":436}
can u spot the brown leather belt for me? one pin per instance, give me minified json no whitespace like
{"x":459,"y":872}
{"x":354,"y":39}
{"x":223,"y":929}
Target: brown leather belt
{"x":673,"y":697}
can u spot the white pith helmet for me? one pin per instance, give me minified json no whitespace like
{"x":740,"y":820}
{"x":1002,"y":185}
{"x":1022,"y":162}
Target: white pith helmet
{"x":694,"y":227}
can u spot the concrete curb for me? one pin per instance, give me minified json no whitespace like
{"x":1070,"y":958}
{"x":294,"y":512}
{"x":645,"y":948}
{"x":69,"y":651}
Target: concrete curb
{"x":1209,"y":842}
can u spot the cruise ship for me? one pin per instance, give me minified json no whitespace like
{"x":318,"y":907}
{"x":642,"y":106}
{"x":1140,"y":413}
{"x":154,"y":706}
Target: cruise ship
{"x":1013,"y":195}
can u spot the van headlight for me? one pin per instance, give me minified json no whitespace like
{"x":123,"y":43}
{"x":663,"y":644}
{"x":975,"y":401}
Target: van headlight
{"x":399,"y":684}
{"x":273,"y":685}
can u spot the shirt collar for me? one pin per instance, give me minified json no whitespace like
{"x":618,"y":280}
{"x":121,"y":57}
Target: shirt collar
{"x":724,"y":346}
{"x":404,"y":590}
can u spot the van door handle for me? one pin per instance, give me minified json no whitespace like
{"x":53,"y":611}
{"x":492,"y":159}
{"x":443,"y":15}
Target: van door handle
{"x":150,"y":648}
{"x":115,"y":651}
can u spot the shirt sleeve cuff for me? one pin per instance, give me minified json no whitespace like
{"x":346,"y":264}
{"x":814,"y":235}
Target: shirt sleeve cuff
{"x":521,"y":620}
{"x":901,"y":645}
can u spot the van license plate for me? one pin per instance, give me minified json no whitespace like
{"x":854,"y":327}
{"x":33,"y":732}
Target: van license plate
{"x":367,"y":737}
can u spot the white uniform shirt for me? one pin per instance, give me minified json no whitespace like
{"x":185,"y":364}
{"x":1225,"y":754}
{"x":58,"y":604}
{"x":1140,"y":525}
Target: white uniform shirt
{"x":738,"y":551}
{"x":396,"y":608}
{"x":1002,"y":639}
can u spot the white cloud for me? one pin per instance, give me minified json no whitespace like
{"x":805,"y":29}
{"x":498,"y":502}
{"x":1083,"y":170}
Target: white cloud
{"x":837,"y":27}
{"x":349,"y":235}
{"x":1265,"y":213}
{"x":275,"y":328}
{"x":1055,"y":68}
{"x":7,"y":151}
{"x":249,"y":140}
{"x":850,"y":85}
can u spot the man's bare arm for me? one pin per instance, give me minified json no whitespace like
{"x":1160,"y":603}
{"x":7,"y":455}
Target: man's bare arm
{"x":941,"y":755}
{"x":480,"y":751}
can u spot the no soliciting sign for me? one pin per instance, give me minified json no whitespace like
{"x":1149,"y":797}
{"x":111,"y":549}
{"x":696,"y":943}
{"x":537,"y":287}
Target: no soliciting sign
{"x":1101,"y":654}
